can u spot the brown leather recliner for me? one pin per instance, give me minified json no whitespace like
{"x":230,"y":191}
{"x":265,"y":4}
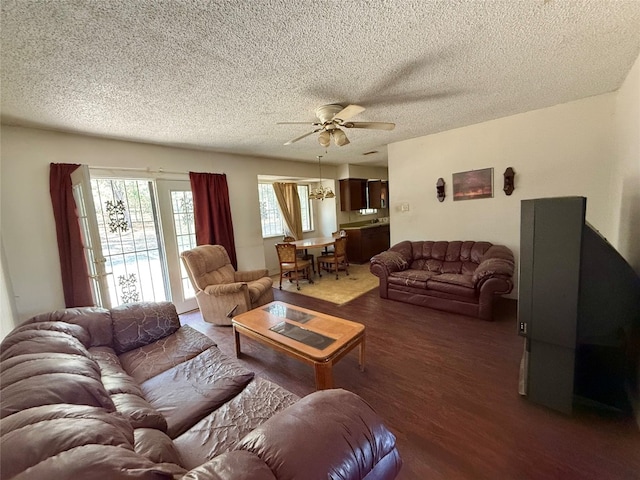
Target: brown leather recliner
{"x":220,"y":289}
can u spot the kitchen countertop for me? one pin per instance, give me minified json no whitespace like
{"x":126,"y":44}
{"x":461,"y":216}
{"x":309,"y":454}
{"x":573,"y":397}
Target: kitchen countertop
{"x":366,"y":225}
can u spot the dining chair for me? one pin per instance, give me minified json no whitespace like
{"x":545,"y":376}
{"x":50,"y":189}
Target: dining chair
{"x":302,"y":255}
{"x":291,"y":265}
{"x":337,"y":260}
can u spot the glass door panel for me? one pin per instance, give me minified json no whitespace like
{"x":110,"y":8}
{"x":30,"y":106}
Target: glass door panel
{"x":81,"y":185}
{"x":131,"y":239}
{"x":176,"y":210}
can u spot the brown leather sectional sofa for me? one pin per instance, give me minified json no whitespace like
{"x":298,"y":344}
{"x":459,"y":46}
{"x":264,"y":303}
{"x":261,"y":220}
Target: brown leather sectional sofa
{"x":128,"y":393}
{"x":460,"y":277}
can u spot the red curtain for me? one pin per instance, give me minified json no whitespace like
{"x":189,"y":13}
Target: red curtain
{"x":75,"y":274}
{"x":212,"y":212}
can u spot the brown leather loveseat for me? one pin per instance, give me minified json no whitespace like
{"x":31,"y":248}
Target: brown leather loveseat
{"x":128,"y":393}
{"x":460,"y":277}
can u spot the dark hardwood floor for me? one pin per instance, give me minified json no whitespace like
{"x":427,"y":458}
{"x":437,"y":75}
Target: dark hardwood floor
{"x":447,"y":386}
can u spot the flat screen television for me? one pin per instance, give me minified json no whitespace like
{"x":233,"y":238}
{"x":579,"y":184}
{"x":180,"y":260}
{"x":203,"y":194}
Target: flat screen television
{"x":579,"y":310}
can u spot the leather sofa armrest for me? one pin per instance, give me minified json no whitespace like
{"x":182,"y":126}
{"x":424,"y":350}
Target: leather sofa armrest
{"x":225,"y":288}
{"x":251,"y":275}
{"x":328,"y":434}
{"x":234,"y":465}
{"x":387,"y":262}
{"x":497,"y":262}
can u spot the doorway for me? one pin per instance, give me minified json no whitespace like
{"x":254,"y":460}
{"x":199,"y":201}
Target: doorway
{"x":139,"y":229}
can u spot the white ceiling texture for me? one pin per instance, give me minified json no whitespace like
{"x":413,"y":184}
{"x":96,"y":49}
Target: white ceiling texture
{"x":218,"y":75}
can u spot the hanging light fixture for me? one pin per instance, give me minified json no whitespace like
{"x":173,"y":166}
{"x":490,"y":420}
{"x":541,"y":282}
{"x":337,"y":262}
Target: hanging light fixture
{"x":321,"y":192}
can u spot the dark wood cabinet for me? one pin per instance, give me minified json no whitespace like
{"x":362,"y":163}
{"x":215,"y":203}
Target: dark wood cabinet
{"x":364,"y":243}
{"x":378,"y":193}
{"x":353,"y":194}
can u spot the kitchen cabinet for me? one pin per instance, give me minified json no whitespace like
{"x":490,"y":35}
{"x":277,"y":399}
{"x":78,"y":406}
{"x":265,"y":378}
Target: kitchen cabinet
{"x":353,"y":194}
{"x":378,"y":193}
{"x":365,"y":242}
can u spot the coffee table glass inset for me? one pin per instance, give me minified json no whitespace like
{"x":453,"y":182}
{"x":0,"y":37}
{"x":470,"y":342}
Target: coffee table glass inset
{"x":312,"y":337}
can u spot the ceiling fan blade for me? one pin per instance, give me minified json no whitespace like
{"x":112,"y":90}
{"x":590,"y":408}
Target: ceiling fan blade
{"x":299,"y":123}
{"x":370,"y":125}
{"x":303,"y":136}
{"x":348,"y":112}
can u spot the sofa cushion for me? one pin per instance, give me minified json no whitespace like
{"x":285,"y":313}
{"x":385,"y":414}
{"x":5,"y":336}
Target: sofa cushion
{"x":449,"y":267}
{"x":393,"y":258}
{"x":138,"y":324}
{"x":453,"y":284}
{"x":114,"y":378}
{"x":95,"y":320}
{"x":411,"y":278}
{"x":454,"y":279}
{"x":156,"y":446}
{"x":50,"y":377}
{"x":20,"y":367}
{"x":453,"y":251}
{"x":75,"y":331}
{"x":146,"y":362}
{"x":139,"y":412}
{"x":41,"y":341}
{"x":33,"y":435}
{"x":101,"y":462}
{"x":52,"y":388}
{"x":468,"y":268}
{"x":219,"y":431}
{"x":197,"y":387}
{"x":478,"y":251}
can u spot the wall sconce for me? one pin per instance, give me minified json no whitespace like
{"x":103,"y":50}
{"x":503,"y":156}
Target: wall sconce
{"x":440,"y":189}
{"x":509,"y":185}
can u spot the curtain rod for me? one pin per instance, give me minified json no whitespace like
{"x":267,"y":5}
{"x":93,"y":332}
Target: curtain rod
{"x":138,"y":169}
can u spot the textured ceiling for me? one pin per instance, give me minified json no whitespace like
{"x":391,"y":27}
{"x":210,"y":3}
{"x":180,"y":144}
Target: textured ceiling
{"x":219,"y":75}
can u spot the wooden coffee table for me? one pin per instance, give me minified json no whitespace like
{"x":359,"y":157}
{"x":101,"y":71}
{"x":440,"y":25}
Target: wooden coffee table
{"x":319,"y":339}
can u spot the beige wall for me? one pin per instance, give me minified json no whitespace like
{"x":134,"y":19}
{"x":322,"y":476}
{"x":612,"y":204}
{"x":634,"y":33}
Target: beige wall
{"x":562,"y":150}
{"x":626,"y":184}
{"x":28,"y":230}
{"x":590,"y":147}
{"x":9,"y":317}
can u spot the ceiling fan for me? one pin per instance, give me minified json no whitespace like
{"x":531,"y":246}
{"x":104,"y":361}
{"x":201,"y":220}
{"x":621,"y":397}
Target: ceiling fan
{"x":331,"y":119}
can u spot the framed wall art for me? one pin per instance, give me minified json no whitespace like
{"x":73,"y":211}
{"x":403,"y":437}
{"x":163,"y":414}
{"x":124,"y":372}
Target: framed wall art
{"x":473,"y":184}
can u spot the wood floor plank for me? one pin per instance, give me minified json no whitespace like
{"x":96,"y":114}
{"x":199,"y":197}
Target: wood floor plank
{"x":447,"y":386}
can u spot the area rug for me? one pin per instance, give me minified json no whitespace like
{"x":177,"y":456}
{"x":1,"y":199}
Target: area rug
{"x":359,"y":281}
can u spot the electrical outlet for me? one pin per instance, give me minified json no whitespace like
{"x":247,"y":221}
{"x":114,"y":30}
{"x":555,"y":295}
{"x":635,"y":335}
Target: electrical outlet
{"x":522,"y":328}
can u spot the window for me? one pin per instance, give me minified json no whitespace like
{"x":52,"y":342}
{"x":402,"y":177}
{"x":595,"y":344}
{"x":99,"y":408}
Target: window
{"x":270,"y":215}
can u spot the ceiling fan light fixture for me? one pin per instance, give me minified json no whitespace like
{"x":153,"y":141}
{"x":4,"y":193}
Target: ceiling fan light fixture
{"x":339,"y":137}
{"x":324,"y":138}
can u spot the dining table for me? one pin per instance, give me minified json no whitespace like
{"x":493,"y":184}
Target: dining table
{"x":313,"y":242}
